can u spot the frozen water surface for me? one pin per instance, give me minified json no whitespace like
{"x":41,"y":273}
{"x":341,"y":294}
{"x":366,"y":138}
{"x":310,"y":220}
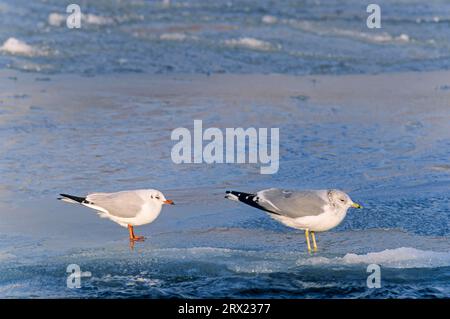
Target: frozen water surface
{"x":387,"y":147}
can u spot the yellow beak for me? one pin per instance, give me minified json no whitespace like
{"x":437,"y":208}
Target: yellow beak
{"x":356,"y":205}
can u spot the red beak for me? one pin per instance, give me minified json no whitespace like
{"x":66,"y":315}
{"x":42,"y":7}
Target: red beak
{"x":170,"y":202}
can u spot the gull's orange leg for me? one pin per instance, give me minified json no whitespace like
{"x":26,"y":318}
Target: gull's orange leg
{"x":133,"y":237}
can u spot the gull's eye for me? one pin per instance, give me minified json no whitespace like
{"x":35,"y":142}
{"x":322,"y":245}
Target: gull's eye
{"x":342,"y":200}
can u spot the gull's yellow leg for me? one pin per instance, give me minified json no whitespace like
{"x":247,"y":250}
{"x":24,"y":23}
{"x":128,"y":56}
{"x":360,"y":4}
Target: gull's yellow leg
{"x":313,"y":236}
{"x":307,"y":240}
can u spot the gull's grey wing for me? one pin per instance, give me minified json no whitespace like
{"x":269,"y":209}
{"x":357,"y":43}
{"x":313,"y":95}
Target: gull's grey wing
{"x":125,"y":204}
{"x":292,"y":203}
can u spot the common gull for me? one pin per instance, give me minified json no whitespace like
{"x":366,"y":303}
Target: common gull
{"x":308,"y":210}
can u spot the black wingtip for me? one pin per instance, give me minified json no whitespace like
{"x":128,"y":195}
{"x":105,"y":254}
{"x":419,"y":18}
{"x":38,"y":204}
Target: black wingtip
{"x":249,"y":199}
{"x":75,"y":198}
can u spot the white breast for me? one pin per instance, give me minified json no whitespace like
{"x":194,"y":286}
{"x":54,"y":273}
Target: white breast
{"x":148,"y":214}
{"x":323,"y":222}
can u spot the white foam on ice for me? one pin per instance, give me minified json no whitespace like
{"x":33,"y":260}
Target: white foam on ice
{"x":404,"y":257}
{"x":18,"y":47}
{"x":174,"y":36}
{"x":252,"y":43}
{"x":96,"y":19}
{"x":56,"y":19}
{"x":268,"y":19}
{"x":381,"y":37}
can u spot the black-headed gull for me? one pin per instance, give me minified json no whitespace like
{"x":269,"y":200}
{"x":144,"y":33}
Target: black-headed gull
{"x":308,"y":210}
{"x":127,"y":208}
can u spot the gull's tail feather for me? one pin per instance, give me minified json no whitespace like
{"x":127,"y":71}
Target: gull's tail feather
{"x":246,"y":198}
{"x":72,"y":199}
